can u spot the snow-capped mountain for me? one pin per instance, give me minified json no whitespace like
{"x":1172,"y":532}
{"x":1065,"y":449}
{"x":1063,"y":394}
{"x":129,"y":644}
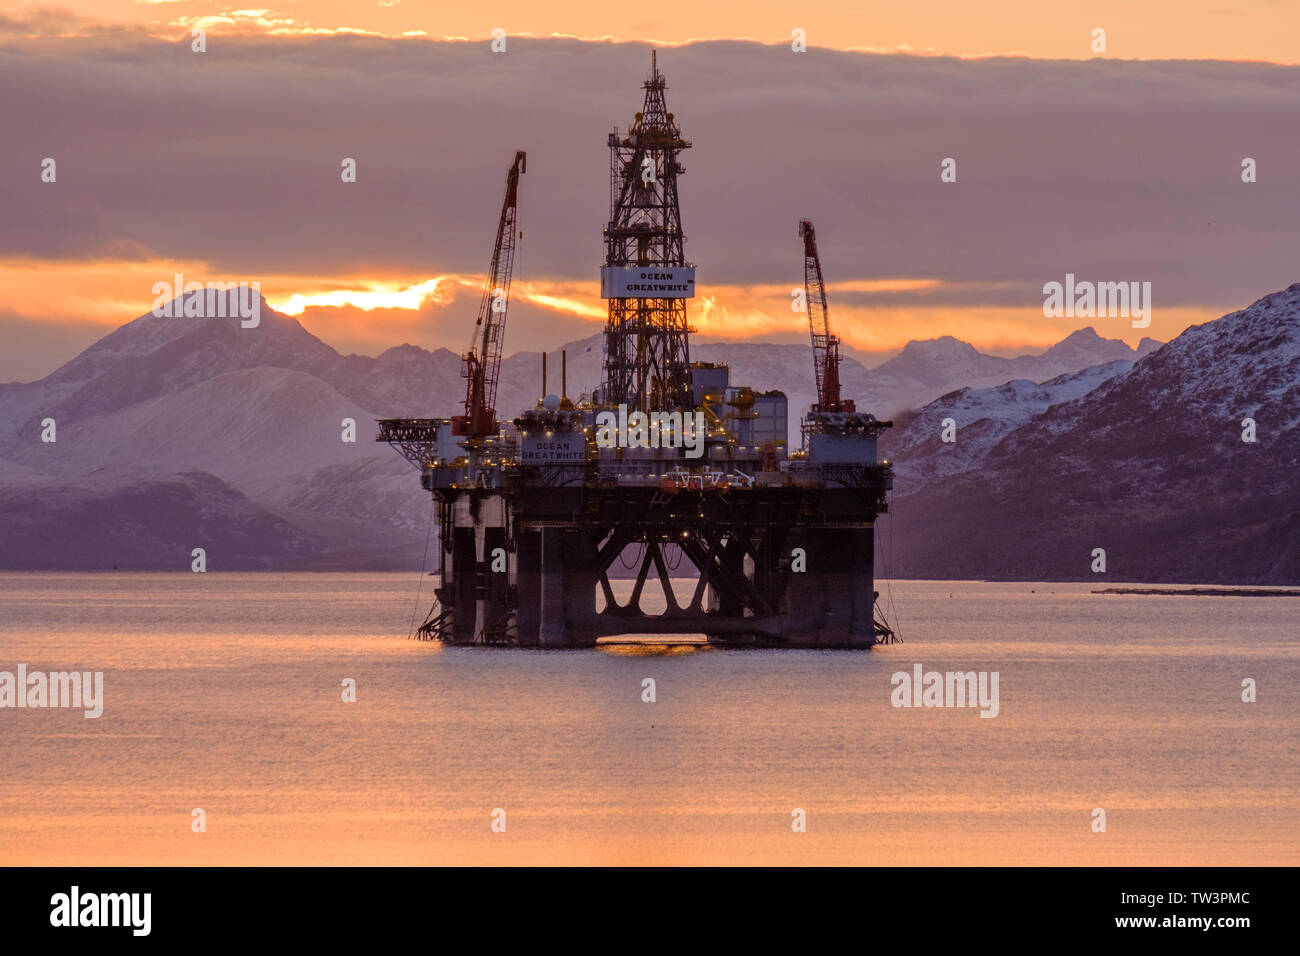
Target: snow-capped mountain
{"x":956,"y":432}
{"x":1153,"y":465}
{"x":240,"y":430}
{"x":924,"y":370}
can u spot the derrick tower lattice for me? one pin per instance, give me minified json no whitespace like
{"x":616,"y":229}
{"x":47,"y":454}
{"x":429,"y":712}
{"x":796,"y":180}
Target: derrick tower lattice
{"x":647,"y":348}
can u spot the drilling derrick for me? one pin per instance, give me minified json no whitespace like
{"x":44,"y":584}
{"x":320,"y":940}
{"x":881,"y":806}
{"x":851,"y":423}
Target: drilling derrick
{"x":647,"y":351}
{"x":826,"y":347}
{"x":483,"y":360}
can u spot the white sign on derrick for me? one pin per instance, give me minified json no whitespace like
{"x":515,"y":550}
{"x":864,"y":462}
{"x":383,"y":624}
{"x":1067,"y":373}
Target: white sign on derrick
{"x":647,"y":282}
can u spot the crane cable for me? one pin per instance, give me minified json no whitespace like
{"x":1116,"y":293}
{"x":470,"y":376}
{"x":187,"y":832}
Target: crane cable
{"x":424,"y":566}
{"x":889,"y":580}
{"x":640,"y":554}
{"x":674,"y":565}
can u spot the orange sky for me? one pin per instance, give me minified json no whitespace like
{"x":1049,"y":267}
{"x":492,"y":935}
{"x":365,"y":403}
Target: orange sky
{"x":368,"y":314}
{"x":1135,"y":29}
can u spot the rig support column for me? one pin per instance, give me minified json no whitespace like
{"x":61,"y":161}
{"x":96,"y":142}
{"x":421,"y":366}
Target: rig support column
{"x":551,"y":632}
{"x":528,"y":586}
{"x":862,"y":630}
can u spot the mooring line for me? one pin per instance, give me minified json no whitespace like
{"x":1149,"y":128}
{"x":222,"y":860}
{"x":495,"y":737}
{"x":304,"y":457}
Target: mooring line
{"x":424,"y":567}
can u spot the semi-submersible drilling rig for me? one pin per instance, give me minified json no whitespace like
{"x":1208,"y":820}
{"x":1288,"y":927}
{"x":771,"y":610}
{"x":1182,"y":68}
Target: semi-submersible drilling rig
{"x":666,"y":460}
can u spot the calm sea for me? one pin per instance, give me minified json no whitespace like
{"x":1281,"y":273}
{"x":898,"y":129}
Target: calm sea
{"x":223,"y":692}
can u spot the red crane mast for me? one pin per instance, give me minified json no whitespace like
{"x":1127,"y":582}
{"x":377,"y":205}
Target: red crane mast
{"x":826,"y":347}
{"x":483,"y":360}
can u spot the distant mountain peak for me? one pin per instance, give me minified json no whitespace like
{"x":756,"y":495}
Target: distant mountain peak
{"x":1147,"y":346}
{"x":1088,"y":337}
{"x":944,"y":347}
{"x":404,"y":351}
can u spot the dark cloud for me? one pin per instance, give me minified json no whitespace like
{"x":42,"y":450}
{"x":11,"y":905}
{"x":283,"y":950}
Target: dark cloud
{"x":1108,"y":169}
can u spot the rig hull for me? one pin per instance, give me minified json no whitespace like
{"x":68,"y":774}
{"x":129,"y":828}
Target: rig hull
{"x":779,"y":565}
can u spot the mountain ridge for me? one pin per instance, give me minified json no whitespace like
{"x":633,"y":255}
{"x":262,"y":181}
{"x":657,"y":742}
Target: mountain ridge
{"x":247,"y":424}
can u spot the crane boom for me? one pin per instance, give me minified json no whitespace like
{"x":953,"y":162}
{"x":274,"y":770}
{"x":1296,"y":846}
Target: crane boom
{"x":826,"y":347}
{"x":483,"y":360}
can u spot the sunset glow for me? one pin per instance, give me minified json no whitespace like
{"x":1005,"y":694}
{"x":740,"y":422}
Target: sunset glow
{"x":368,"y":315}
{"x":1148,"y":29}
